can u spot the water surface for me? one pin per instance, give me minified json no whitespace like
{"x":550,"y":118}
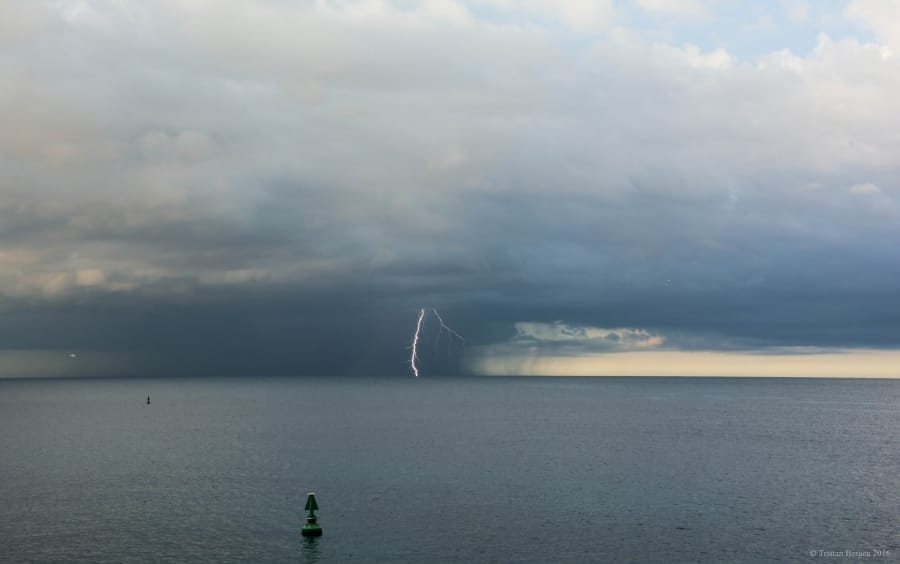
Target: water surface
{"x":449,"y":470}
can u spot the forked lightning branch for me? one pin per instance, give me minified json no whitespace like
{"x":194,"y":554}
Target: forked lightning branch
{"x":420,"y":322}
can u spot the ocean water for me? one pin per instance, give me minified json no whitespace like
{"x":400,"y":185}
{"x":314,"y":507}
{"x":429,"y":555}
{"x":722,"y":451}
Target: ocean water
{"x":532,"y":470}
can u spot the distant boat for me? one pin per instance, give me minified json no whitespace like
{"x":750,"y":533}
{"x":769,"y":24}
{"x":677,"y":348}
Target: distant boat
{"x":148,"y":400}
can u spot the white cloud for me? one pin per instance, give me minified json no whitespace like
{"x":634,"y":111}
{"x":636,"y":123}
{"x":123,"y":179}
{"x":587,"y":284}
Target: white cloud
{"x":688,"y":9}
{"x":797,"y":11}
{"x":579,"y":15}
{"x":865,"y":189}
{"x":881,"y":16}
{"x":187,"y":145}
{"x":562,"y":333}
{"x":584,"y":14}
{"x":693,"y":56}
{"x":21,"y":20}
{"x":762,"y":24}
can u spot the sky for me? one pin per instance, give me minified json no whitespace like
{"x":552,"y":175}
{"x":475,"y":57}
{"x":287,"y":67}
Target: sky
{"x":273,"y":187}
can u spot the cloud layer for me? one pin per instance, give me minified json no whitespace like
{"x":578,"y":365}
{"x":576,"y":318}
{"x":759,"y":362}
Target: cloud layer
{"x":275,"y":187}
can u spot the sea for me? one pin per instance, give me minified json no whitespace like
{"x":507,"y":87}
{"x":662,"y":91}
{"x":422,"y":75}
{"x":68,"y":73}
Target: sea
{"x":432,"y":470}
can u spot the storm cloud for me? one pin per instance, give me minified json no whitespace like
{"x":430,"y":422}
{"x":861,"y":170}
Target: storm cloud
{"x":191,"y":187}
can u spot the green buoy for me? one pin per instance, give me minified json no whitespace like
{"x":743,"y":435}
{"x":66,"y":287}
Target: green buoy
{"x":311,"y":528}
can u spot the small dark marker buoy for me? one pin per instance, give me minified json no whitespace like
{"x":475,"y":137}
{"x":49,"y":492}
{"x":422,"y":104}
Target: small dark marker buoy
{"x":148,"y":400}
{"x":311,"y":528}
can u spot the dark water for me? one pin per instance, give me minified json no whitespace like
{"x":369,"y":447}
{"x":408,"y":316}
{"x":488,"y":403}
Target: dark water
{"x":469,"y":470}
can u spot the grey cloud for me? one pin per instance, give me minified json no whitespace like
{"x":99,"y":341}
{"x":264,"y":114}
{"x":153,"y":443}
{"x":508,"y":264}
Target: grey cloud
{"x":293,"y":183}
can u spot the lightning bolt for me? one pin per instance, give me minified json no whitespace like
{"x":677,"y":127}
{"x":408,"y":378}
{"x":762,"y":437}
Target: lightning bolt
{"x":444,"y":326}
{"x":414,"y":356}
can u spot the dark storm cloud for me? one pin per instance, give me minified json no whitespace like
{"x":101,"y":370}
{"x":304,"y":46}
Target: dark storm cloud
{"x":278,"y":189}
